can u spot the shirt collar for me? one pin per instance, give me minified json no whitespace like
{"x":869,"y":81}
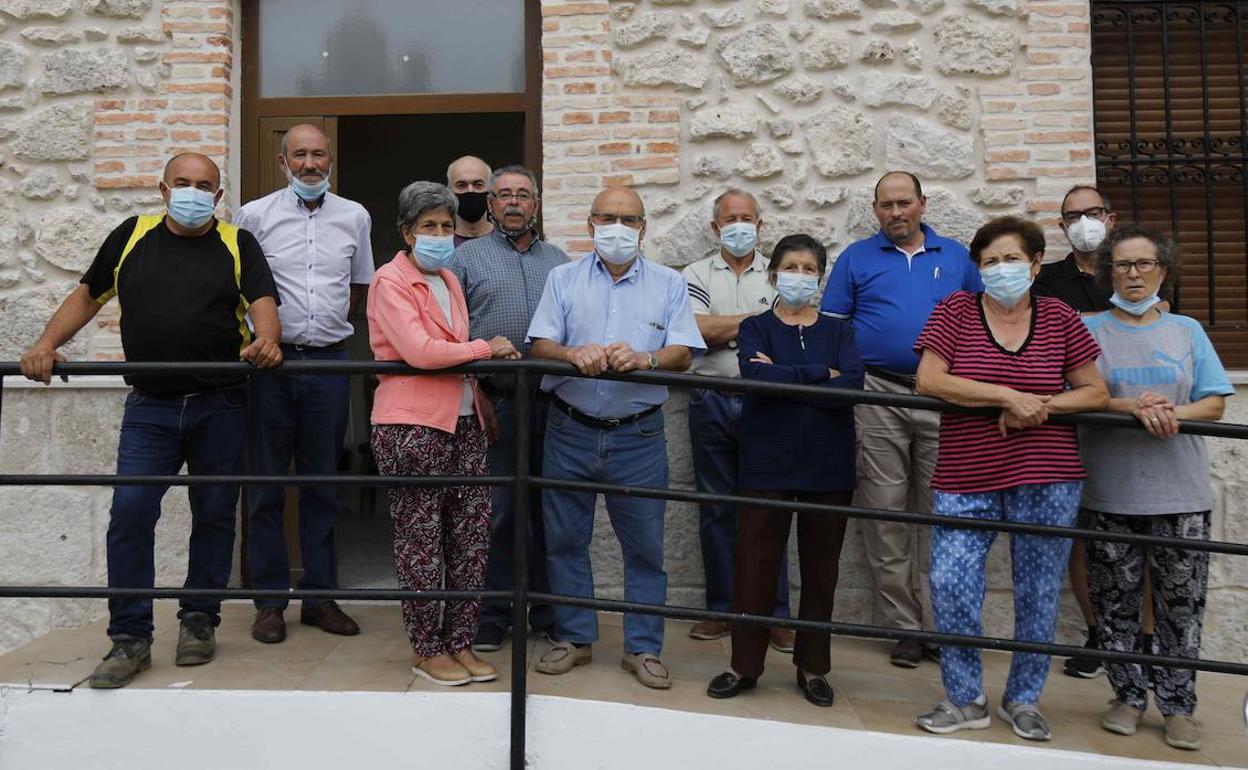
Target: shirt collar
{"x":759,"y":264}
{"x":633,"y":269}
{"x":297,"y":202}
{"x":931,"y":241}
{"x":1071,"y":267}
{"x":501,"y":238}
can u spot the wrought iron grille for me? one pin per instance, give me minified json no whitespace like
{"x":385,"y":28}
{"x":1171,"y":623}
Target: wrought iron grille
{"x":1172,"y":144}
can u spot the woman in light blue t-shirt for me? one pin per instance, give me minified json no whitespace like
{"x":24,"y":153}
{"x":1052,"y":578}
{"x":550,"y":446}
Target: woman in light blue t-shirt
{"x":1162,"y":369}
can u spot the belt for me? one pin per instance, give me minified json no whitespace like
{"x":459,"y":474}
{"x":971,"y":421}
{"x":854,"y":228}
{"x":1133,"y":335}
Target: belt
{"x":334,"y":346}
{"x":897,"y":378}
{"x":601,"y":423}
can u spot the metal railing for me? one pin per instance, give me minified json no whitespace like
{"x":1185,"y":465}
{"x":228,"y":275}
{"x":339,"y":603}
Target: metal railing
{"x":522,"y":481}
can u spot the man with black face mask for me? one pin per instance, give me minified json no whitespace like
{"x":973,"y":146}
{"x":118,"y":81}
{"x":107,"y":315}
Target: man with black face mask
{"x":468,"y":178}
{"x":502,"y":275}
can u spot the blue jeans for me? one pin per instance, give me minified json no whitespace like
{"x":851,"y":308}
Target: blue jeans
{"x":159,"y":434}
{"x":304,"y":417}
{"x":713,"y":419}
{"x":501,"y":564}
{"x":633,"y":454}
{"x":1039,"y":567}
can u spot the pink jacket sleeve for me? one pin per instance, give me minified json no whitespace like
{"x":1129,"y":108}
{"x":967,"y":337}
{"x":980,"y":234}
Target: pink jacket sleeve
{"x":398,"y":318}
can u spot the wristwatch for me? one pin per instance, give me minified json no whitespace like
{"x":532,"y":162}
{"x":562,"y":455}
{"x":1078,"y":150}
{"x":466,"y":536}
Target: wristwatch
{"x":652,"y":360}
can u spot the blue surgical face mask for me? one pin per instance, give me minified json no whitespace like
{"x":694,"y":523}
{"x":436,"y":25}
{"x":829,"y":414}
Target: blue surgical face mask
{"x":1007,"y":282}
{"x":308,"y":192}
{"x":739,"y":238}
{"x":191,"y":207}
{"x":434,"y":252}
{"x":1134,"y":308}
{"x":617,"y":243}
{"x":797,"y":289}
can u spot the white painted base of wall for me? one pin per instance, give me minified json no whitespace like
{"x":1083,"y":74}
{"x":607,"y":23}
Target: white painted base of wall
{"x":191,"y":729}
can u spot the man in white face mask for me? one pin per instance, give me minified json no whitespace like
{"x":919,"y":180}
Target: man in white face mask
{"x":318,"y":245}
{"x":611,"y":310}
{"x":726,"y":288}
{"x":1086,"y":218}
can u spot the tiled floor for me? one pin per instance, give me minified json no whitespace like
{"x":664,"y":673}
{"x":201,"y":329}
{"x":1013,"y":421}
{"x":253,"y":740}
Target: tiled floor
{"x":870,"y":693}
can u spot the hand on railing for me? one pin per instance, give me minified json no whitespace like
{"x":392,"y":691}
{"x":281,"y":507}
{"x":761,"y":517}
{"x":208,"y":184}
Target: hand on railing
{"x":501,"y":347}
{"x":264,"y":352}
{"x":37,"y":364}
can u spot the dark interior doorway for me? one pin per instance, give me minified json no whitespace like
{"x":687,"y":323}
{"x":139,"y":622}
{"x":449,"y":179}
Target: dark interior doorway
{"x":377,"y":156}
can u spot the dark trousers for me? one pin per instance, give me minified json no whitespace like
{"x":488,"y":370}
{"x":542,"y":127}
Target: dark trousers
{"x":713,"y":419}
{"x":158,"y":435}
{"x":761,"y":538}
{"x":1179,"y":579}
{"x":500,"y":567}
{"x":303,"y":418}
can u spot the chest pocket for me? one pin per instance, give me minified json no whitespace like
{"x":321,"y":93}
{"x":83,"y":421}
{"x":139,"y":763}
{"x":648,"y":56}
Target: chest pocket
{"x":943,"y":281}
{"x":648,"y":336}
{"x":229,"y":237}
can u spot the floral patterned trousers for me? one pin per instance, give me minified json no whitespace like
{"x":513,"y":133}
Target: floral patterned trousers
{"x":437,"y":530}
{"x":1180,"y":577}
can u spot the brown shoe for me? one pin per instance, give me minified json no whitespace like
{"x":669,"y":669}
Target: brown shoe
{"x":441,"y":669}
{"x":328,"y":617}
{"x":708,"y":630}
{"x":783,"y":639}
{"x":478,"y":669}
{"x":907,"y":654}
{"x":270,"y":626}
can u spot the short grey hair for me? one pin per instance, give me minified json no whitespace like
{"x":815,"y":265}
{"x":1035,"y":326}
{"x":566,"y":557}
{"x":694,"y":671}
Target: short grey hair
{"x":515,"y":169}
{"x":732,"y":192}
{"x":419,"y":197}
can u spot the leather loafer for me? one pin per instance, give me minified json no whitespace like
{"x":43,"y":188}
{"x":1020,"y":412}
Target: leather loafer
{"x":328,"y":617}
{"x":270,"y":626}
{"x":729,"y":685}
{"x":815,"y":688}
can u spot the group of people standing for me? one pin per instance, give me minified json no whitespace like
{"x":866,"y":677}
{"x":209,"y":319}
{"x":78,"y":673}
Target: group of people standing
{"x":904,"y":311}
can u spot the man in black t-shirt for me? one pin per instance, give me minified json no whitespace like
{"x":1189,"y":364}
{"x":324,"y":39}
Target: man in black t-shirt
{"x":1086,"y":219}
{"x":186,"y":284}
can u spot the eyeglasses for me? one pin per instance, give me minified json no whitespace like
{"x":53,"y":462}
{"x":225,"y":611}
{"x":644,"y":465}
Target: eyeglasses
{"x":1096,"y":212}
{"x":1141,"y":265}
{"x":603,"y":218}
{"x":523,"y":196}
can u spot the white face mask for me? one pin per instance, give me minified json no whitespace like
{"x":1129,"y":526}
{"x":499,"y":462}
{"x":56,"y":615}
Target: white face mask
{"x":1086,"y":235}
{"x":617,"y":243}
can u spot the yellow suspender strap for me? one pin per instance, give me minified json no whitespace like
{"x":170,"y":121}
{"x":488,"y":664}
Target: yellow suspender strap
{"x":142,"y":227}
{"x":229,"y":236}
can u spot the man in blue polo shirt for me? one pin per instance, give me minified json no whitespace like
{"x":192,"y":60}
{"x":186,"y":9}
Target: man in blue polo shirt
{"x":888,"y":285}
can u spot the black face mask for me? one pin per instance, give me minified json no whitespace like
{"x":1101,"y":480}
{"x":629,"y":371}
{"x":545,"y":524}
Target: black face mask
{"x":471,"y":206}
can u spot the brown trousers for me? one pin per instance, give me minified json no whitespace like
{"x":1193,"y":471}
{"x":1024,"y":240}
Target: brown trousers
{"x":761,"y":538}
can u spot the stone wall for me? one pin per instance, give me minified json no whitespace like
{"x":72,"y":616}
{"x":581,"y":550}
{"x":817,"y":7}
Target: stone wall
{"x":95,"y":96}
{"x":806,"y":103}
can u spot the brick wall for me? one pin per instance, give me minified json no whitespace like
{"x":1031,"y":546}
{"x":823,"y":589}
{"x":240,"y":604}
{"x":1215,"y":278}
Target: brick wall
{"x":186,"y":108}
{"x":593,"y":135}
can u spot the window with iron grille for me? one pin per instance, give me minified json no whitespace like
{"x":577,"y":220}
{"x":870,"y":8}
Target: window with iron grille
{"x":1172,"y":145}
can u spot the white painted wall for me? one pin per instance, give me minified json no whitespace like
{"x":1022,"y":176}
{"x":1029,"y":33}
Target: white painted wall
{"x":158,"y":729}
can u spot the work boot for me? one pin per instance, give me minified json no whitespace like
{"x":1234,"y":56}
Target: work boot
{"x":197,"y":641}
{"x":123,"y":663}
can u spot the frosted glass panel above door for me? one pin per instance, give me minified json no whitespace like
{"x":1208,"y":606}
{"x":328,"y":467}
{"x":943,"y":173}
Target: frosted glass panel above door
{"x":391,"y":47}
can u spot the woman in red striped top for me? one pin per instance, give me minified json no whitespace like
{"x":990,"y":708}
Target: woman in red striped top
{"x":1031,"y":357}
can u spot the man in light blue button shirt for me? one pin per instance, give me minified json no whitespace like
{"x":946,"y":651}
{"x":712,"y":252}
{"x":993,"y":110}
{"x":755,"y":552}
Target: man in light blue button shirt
{"x":318,"y":248}
{"x":612,"y":310}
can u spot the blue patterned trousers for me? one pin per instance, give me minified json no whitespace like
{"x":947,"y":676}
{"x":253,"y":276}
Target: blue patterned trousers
{"x":1039,"y":566}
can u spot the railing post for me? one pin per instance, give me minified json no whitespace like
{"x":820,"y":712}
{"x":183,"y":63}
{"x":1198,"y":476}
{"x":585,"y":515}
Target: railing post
{"x":520,"y":578}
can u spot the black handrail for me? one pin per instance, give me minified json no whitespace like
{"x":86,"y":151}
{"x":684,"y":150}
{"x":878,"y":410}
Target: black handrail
{"x":521,"y":481}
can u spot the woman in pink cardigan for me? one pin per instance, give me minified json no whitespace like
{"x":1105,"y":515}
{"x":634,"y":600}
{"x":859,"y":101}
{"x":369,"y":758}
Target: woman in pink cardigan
{"x":432,"y":425}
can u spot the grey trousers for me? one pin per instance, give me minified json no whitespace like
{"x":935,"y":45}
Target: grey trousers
{"x":896,"y":459}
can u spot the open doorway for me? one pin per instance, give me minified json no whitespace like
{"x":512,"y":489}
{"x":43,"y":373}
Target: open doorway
{"x":376,"y":156}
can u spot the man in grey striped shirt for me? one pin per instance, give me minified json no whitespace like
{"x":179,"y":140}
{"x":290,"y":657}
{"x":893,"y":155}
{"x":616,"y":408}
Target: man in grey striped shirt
{"x":502,"y":275}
